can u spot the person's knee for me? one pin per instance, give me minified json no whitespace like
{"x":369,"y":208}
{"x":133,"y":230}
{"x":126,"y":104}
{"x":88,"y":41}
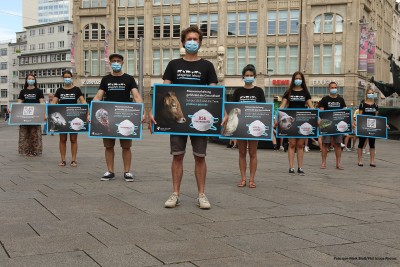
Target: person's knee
{"x":178,"y":158}
{"x":199,"y":159}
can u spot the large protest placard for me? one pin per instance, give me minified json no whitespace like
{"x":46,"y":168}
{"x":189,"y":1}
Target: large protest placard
{"x":188,"y":109}
{"x":67,"y":118}
{"x":250,"y":121}
{"x":297,"y":123}
{"x":121,"y":120}
{"x":337,"y":121}
{"x":27,"y":114}
{"x":371,"y":126}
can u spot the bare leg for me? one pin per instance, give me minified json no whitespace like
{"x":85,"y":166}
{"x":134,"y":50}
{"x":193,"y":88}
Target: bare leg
{"x":109,"y":153}
{"x":372,"y":155}
{"x":242,"y":145}
{"x":253,"y":159}
{"x":324,"y":154}
{"x":359,"y":154}
{"x":74,"y":145}
{"x":338,"y":154}
{"x":200,"y":170}
{"x":127,"y":158}
{"x":300,"y":152}
{"x":63,"y":146}
{"x":292,"y":147}
{"x":177,"y":172}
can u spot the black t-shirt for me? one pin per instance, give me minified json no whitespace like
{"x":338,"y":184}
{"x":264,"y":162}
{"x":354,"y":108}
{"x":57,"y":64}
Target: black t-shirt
{"x":199,"y":72}
{"x":329,"y":103}
{"x":255,"y":94}
{"x":368,"y":109}
{"x":118,"y":88}
{"x":68,"y":96}
{"x":297,"y":99}
{"x":31,"y":95}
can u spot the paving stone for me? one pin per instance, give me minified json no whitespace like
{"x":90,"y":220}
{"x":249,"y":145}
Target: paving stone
{"x":313,"y":221}
{"x":301,"y":209}
{"x":316,"y":237}
{"x":218,"y":214}
{"x":372,"y":215}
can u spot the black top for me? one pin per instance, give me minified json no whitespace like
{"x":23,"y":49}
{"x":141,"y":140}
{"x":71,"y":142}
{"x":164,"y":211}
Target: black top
{"x":297,"y":99}
{"x":368,"y":109}
{"x":68,"y":96}
{"x":31,"y":95}
{"x":255,"y":94}
{"x":118,"y":88}
{"x":199,"y":72}
{"x":329,"y":103}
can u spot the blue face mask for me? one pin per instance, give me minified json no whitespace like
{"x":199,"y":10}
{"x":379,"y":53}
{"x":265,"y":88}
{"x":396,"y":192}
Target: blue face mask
{"x":371,"y":96}
{"x":30,"y":82}
{"x":116,"y":67}
{"x":191,"y":47}
{"x":249,"y":79}
{"x":333,"y":91}
{"x":67,"y":80}
{"x":298,"y":82}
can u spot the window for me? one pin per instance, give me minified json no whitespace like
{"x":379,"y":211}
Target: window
{"x":316,"y":59}
{"x":3,"y":65}
{"x":50,"y":30}
{"x":60,"y":44}
{"x":51,"y":45}
{"x":327,"y":59}
{"x":3,"y":52}
{"x":131,"y":28}
{"x":94,"y":3}
{"x":202,"y":1}
{"x":176,"y":26}
{"x":238,"y":58}
{"x":294,"y":21}
{"x":86,"y":61}
{"x":282,"y":59}
{"x":230,"y":61}
{"x":121,"y":28}
{"x":61,"y":28}
{"x":156,"y":62}
{"x":32,"y":33}
{"x":167,"y":26}
{"x":170,"y":26}
{"x":328,"y":23}
{"x":271,"y":30}
{"x":271,"y":59}
{"x":242,"y":23}
{"x":166,"y":57}
{"x":283,"y":22}
{"x":293,"y":59}
{"x":3,"y":93}
{"x":95,"y":63}
{"x":157,"y":28}
{"x":337,"y":62}
{"x":207,"y":23}
{"x":32,"y":47}
{"x":140,"y":27}
{"x":41,"y":31}
{"x":3,"y":79}
{"x":94,"y":31}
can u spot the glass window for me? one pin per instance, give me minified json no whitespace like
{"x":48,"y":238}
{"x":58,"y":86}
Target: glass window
{"x":230,"y":61}
{"x":166,"y":26}
{"x":316,"y":59}
{"x":203,"y":18}
{"x":121,"y":28}
{"x":338,"y":59}
{"x":156,"y":62}
{"x":283,"y":22}
{"x":317,"y":24}
{"x":131,"y":62}
{"x":242,"y":23}
{"x":95,"y":63}
{"x":252,"y":23}
{"x":282,"y":60}
{"x":131,"y":28}
{"x":121,"y":3}
{"x":327,"y":59}
{"x":252,"y":56}
{"x":294,"y":21}
{"x":86,"y":61}
{"x":140,"y":27}
{"x":231,"y":24}
{"x":271,"y":59}
{"x":176,"y":27}
{"x":328,"y":23}
{"x":166,"y":57}
{"x":157,"y":27}
{"x":339,"y":24}
{"x":86,"y":32}
{"x":95,"y":31}
{"x":176,"y":53}
{"x":293,"y":58}
{"x":241,"y":60}
{"x":213,"y":24}
{"x":271,"y":22}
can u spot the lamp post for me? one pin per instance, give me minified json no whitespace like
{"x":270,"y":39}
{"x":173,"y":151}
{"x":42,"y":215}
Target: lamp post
{"x":86,"y":81}
{"x":269,"y":83}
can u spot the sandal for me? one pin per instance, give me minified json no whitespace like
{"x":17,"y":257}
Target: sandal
{"x":252,"y":184}
{"x":340,"y":167}
{"x":74,"y":163}
{"x":360,"y":164}
{"x":62,"y":163}
{"x":29,"y":154}
{"x":242,"y":183}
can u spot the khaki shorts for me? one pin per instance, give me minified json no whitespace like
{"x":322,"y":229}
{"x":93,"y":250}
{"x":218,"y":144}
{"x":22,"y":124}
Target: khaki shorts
{"x":110,"y":142}
{"x":337,"y":139}
{"x":178,"y":145}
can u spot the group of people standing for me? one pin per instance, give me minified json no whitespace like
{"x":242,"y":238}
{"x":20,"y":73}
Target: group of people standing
{"x":118,"y":87}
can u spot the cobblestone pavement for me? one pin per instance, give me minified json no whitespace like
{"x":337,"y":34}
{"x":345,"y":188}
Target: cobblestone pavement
{"x":65,"y":216}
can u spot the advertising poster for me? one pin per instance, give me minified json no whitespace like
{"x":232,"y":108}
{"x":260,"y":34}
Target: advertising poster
{"x":67,"y":118}
{"x":27,"y":114}
{"x":188,"y":109}
{"x":297,"y":123}
{"x":371,"y":52}
{"x":338,"y":121}
{"x":250,"y":121}
{"x":371,"y":126}
{"x":363,"y":47}
{"x":122,"y":120}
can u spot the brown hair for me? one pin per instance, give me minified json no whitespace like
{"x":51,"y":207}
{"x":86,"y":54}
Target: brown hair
{"x":26,"y":79}
{"x":303,"y":83}
{"x":192,"y":28}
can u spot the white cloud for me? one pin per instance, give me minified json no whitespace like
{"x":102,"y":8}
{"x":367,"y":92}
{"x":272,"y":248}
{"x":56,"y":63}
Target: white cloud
{"x":6,"y":35}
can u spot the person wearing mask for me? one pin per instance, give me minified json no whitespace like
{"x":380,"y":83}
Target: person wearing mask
{"x":247,"y":93}
{"x":68,"y":94}
{"x":118,"y":87}
{"x":297,"y":96}
{"x":367,"y":107}
{"x":330,"y":102}
{"x":191,"y":39}
{"x":30,"y":136}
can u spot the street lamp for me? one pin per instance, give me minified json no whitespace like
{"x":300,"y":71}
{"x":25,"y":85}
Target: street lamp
{"x":269,"y":83}
{"x":86,"y":81}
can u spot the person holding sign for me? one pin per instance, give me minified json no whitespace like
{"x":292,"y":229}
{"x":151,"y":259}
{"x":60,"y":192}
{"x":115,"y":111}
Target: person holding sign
{"x":329,"y":102}
{"x":30,"y":136}
{"x":247,"y":93}
{"x":191,"y":69}
{"x":118,"y":87}
{"x":68,"y":94}
{"x":297,"y":96}
{"x":367,"y":107}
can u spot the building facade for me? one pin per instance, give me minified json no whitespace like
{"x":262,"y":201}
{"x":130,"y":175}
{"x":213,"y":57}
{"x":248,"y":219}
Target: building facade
{"x":4,"y":78}
{"x":319,"y":38}
{"x":45,"y":11}
{"x":43,"y":50}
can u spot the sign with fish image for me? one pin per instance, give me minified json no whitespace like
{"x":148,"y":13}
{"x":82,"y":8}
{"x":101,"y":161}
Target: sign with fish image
{"x":27,"y":114}
{"x":249,"y":121}
{"x":297,"y":123}
{"x":67,"y":118}
{"x":185,"y":109}
{"x":122,"y":120}
{"x":336,"y":121}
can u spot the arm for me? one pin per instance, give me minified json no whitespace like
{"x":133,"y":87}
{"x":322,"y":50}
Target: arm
{"x":55,"y":100}
{"x":41,"y":100}
{"x":309,"y":103}
{"x":82,"y":100}
{"x":138,"y":99}
{"x":284,"y":103}
{"x":99,"y":95}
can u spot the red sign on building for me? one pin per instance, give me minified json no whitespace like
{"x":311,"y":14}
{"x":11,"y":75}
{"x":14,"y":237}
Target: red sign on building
{"x":280,"y":82}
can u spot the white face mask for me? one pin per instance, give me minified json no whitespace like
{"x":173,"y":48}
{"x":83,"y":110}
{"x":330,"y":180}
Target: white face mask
{"x":203,"y":121}
{"x":126,"y":128}
{"x":256,"y":128}
{"x":77,"y":124}
{"x":342,"y":126}
{"x":306,"y":129}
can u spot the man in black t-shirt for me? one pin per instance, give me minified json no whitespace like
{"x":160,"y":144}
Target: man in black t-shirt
{"x":118,"y":87}
{"x":191,"y":69}
{"x":329,"y":102}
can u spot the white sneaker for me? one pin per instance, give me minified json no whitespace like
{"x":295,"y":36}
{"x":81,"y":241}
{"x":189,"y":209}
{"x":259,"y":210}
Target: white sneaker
{"x":172,"y":201}
{"x":347,"y":149}
{"x":364,"y":151}
{"x":281,"y":148}
{"x":315,"y":143}
{"x":342,"y":145}
{"x":203,"y":202}
{"x":306,"y":149}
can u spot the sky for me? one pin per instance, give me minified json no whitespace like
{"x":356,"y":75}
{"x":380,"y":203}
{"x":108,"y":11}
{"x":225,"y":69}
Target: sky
{"x":10,"y":19}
